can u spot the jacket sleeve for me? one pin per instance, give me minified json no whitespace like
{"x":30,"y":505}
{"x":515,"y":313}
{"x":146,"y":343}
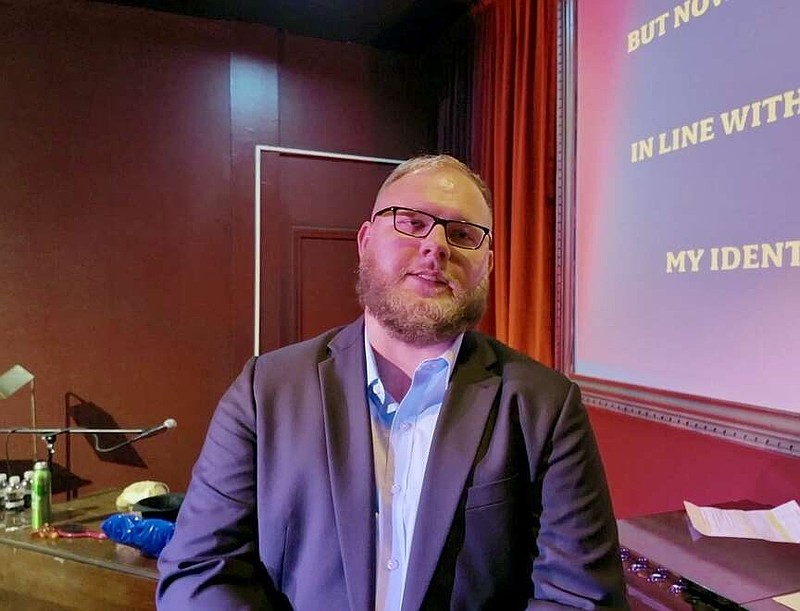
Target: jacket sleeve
{"x":212,"y":561}
{"x":576,"y":551}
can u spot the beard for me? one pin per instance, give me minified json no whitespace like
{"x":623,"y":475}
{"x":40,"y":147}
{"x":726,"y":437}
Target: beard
{"x":414,"y":319}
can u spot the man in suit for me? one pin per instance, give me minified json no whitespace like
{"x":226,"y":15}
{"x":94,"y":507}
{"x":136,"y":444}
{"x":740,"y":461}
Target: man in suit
{"x":404,"y":461}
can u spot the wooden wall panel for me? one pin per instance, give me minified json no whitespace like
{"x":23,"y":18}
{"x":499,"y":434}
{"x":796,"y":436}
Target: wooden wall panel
{"x":355,"y":99}
{"x":116,"y":228}
{"x":254,"y":121}
{"x":324,"y":275}
{"x":127,"y":226}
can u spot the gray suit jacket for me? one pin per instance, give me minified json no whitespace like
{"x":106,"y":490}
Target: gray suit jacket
{"x":280,"y":512}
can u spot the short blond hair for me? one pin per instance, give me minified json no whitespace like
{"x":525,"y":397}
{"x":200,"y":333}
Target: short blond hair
{"x":423,"y":163}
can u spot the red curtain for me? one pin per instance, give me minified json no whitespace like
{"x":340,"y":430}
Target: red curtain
{"x":514,"y":151}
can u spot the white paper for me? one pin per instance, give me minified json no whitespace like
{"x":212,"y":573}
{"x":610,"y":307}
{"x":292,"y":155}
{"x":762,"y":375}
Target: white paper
{"x":789,"y":600}
{"x":781,"y":524}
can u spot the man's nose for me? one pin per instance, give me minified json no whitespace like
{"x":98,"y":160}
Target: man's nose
{"x":435,"y":243}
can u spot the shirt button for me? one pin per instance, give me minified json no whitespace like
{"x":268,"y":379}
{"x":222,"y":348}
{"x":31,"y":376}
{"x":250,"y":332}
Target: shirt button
{"x":406,"y":426}
{"x":392,"y":564}
{"x":395,"y":488}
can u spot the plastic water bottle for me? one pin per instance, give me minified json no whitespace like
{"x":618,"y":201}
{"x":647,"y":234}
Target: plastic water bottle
{"x":3,"y":486}
{"x":27,"y":484}
{"x":14,"y":504}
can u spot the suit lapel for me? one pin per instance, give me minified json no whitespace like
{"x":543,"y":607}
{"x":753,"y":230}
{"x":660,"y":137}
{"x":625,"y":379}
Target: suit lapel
{"x":349,"y":444}
{"x":458,"y":433}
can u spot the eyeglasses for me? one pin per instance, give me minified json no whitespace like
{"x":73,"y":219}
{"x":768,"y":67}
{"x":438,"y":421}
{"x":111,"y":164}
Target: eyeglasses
{"x":418,"y":224}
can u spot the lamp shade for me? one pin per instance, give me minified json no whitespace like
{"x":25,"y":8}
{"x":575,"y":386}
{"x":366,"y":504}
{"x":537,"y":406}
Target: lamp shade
{"x":14,"y":379}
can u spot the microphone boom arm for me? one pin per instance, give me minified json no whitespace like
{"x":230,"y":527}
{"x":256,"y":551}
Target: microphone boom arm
{"x":49,"y":435}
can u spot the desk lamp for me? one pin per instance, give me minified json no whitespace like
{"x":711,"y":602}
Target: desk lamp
{"x":14,"y":379}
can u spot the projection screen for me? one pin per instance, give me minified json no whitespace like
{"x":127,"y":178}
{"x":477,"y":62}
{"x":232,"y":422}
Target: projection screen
{"x":678,"y":294}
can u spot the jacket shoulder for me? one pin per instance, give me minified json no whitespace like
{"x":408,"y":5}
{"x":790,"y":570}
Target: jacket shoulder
{"x":286,"y":360}
{"x":520,"y":371}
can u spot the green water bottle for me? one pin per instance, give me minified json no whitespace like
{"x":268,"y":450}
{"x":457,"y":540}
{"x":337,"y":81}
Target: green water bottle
{"x":41,"y":495}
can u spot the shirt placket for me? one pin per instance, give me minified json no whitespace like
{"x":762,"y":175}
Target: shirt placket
{"x":403,"y":444}
{"x":400,"y":457}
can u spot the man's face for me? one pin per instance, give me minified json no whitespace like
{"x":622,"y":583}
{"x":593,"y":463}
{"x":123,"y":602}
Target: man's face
{"x":425,"y":290}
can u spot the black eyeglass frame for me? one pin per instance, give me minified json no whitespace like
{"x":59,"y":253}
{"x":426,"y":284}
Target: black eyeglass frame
{"x":436,"y":221}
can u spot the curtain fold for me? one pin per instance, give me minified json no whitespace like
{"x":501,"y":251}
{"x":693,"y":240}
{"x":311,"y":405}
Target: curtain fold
{"x":454,"y":57}
{"x":513,"y":149}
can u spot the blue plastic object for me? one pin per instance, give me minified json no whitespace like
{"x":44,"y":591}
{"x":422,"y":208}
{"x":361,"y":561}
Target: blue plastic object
{"x":148,"y":535}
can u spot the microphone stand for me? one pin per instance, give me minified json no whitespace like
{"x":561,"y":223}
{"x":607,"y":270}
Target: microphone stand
{"x":50,"y":434}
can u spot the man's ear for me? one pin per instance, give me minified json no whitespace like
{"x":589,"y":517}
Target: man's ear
{"x":490,"y":264}
{"x":363,"y":237}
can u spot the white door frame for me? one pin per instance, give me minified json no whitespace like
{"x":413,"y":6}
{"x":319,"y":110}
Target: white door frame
{"x":281,"y":150}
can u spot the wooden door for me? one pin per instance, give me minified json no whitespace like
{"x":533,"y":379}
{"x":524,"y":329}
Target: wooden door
{"x":311,"y":209}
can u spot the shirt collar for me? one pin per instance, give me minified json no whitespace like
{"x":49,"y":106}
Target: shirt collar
{"x":449,"y":355}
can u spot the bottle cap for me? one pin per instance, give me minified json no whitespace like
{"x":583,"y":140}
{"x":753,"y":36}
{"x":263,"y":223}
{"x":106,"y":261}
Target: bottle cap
{"x":13,"y":480}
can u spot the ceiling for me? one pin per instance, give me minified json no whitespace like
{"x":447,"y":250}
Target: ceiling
{"x":400,"y":25}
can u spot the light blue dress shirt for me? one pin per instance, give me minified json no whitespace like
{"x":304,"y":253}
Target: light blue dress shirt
{"x":401,"y":440}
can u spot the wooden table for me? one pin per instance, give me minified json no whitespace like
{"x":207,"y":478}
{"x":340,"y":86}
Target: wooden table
{"x":59,"y":574}
{"x":745,"y":572}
